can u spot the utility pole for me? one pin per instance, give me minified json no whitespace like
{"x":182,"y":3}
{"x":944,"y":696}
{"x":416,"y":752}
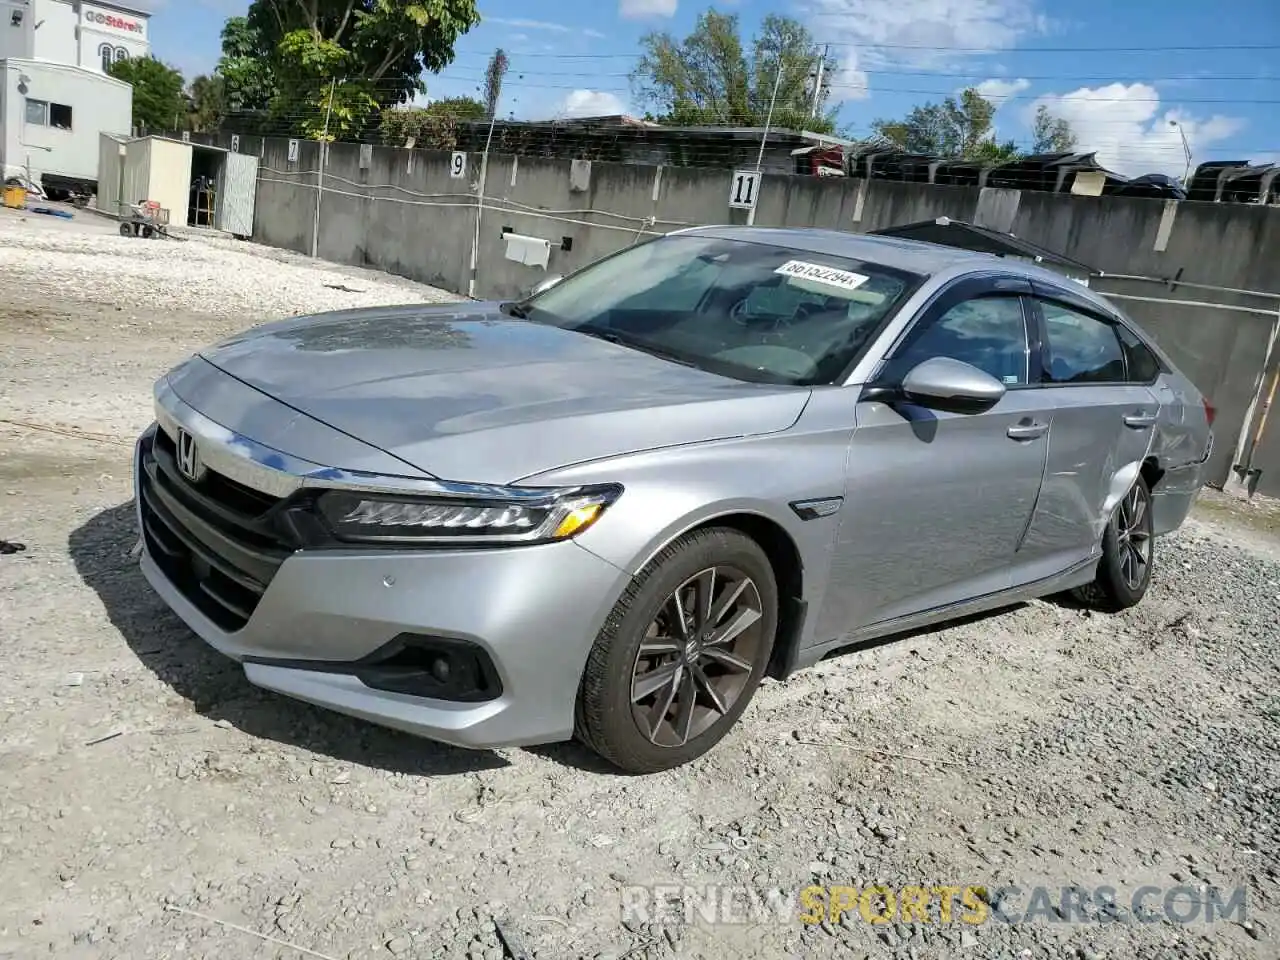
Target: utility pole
{"x":484,"y":173}
{"x":1186,"y":151}
{"x":817,"y":86}
{"x":768,"y":122}
{"x":324,"y":151}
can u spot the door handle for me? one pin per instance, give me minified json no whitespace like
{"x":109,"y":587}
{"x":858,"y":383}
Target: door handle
{"x":1027,"y":431}
{"x":1140,"y":421}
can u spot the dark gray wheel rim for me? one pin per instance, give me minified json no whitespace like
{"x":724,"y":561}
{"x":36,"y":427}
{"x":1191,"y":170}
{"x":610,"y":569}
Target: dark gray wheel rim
{"x":697,"y":656}
{"x":1133,"y":537}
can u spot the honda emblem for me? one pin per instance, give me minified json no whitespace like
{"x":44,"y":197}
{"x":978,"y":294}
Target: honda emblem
{"x":189,"y":464}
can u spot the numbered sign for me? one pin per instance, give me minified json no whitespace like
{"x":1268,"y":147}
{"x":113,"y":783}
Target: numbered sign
{"x":458,"y":165}
{"x":293,"y":151}
{"x":743,"y":189}
{"x":186,"y":136}
{"x":235,"y":143}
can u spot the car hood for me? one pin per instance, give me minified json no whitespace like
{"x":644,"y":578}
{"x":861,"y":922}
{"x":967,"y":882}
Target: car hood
{"x":465,"y":393}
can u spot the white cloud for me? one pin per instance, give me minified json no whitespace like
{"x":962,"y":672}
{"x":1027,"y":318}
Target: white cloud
{"x":922,"y":34}
{"x":998,"y":91}
{"x":591,"y":103}
{"x":643,"y":9}
{"x":529,"y":24}
{"x":594,"y":34}
{"x":1130,"y":132}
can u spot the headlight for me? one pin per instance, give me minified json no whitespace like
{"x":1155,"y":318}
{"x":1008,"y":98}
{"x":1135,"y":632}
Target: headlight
{"x":496,"y":515}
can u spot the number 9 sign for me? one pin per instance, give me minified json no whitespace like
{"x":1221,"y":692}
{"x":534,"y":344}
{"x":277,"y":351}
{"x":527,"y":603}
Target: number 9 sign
{"x":458,"y":165}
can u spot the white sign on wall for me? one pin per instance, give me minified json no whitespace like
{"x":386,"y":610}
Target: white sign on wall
{"x":743,"y":189}
{"x":293,"y":151}
{"x":112,"y":21}
{"x":458,"y":165}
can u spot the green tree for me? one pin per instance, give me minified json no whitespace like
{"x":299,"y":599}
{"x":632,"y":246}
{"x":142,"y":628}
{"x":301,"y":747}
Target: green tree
{"x":246,"y":66}
{"x":208,"y":103}
{"x":711,"y":77}
{"x":1051,"y":134}
{"x":158,"y":101}
{"x":434,"y":126}
{"x":493,"y":77}
{"x":953,"y":129}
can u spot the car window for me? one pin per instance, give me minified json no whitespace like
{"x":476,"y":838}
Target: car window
{"x":1141,"y":365}
{"x":987,"y":332}
{"x":745,"y":309}
{"x":1080,"y":348}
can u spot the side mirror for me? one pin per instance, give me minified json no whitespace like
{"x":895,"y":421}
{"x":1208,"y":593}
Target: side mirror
{"x":546,"y":284}
{"x":949,"y":384}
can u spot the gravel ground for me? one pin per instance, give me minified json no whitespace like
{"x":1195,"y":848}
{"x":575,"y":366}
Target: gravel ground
{"x":153,"y":804}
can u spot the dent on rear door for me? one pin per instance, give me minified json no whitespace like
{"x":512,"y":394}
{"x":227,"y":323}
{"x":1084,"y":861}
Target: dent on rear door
{"x":1093,"y":460}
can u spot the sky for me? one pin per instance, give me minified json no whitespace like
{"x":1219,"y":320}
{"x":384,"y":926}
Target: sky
{"x":1132,"y":78}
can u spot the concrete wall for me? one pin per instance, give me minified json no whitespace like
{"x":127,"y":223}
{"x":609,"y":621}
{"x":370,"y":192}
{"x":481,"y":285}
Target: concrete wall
{"x":402,"y":212}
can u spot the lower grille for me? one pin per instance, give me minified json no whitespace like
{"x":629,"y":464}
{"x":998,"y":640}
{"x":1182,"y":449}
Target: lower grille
{"x":217,"y":541}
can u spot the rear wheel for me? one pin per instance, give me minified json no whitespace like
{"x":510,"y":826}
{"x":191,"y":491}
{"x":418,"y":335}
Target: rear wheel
{"x":681,"y":654}
{"x":1128,"y":554}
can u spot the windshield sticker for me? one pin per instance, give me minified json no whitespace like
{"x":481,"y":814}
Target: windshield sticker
{"x":828,"y":276}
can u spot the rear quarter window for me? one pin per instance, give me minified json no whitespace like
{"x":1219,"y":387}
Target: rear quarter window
{"x":1141,"y":364}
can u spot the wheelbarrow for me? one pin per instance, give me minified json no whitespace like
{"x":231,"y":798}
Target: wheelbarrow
{"x":146,"y":220}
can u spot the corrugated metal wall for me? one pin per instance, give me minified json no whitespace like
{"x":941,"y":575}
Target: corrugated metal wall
{"x":137,"y":172}
{"x":110,"y":172}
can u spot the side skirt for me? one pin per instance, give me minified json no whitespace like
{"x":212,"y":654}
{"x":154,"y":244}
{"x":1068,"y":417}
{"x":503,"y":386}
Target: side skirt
{"x":1074,"y":576}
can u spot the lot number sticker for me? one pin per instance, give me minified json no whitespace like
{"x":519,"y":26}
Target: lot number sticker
{"x":458,"y":165}
{"x":816,"y":273}
{"x":743,"y":189}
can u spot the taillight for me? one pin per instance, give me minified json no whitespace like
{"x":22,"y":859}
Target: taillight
{"x":1209,"y":412}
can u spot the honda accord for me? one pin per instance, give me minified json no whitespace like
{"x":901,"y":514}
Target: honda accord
{"x":610,"y":509}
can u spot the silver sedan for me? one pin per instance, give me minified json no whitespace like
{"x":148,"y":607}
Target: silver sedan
{"x":610,"y":509}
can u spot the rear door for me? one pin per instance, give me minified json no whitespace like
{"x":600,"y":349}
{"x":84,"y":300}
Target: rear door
{"x":1104,"y":423}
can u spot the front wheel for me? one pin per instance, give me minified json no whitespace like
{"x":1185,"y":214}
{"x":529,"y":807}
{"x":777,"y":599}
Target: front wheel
{"x":681,"y":654}
{"x":1128,"y":554}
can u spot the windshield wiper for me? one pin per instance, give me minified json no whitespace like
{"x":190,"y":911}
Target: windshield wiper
{"x":634,"y":344}
{"x":513,"y":309}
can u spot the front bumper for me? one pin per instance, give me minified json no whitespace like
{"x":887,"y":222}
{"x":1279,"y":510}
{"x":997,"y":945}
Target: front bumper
{"x":534,"y":611}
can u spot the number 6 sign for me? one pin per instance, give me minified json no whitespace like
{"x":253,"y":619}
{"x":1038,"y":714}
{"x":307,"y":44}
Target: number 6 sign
{"x":743,"y":189}
{"x":458,"y":165}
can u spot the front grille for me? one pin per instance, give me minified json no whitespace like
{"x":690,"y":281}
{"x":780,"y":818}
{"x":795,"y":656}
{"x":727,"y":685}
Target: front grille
{"x":219,"y":542}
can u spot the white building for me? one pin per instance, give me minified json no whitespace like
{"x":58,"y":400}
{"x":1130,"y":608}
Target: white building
{"x":56,"y":99}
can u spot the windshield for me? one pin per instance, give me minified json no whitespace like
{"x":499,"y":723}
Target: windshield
{"x":748,"y":310}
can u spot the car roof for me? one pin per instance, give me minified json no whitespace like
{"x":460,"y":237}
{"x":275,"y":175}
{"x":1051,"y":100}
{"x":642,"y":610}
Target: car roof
{"x":913,"y":256}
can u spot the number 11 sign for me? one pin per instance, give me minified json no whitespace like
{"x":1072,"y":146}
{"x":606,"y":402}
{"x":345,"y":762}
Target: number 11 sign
{"x":743,"y":189}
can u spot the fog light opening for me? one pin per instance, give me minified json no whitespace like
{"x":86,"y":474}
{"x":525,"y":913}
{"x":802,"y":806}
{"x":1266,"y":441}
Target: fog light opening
{"x":437,"y":667}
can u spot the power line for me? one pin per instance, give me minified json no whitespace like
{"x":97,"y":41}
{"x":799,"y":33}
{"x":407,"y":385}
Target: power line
{"x":934,"y":92}
{"x":1004,"y":51}
{"x":874,"y":71}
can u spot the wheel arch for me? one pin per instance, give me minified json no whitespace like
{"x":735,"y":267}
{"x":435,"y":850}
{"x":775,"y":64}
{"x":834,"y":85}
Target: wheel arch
{"x":787,"y":562}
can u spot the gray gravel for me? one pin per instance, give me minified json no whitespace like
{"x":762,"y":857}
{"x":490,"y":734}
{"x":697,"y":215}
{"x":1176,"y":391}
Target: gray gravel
{"x":151,"y":797}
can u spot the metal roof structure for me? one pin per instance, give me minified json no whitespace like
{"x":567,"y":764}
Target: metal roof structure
{"x":968,"y":236}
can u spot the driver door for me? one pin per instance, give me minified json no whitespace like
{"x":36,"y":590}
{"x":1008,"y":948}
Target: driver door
{"x":938,"y":502}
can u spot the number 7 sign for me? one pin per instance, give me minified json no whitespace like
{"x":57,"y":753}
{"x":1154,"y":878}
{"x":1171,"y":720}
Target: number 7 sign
{"x":743,"y":189}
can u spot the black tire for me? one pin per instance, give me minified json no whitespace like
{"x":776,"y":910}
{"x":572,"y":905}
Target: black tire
{"x":148,"y":232}
{"x":126,"y":230}
{"x":605,"y":718}
{"x":1116,"y":587}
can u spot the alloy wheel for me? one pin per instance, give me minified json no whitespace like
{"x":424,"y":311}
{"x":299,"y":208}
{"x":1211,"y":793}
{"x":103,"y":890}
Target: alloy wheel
{"x":697,"y":656}
{"x":1133,"y":537}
